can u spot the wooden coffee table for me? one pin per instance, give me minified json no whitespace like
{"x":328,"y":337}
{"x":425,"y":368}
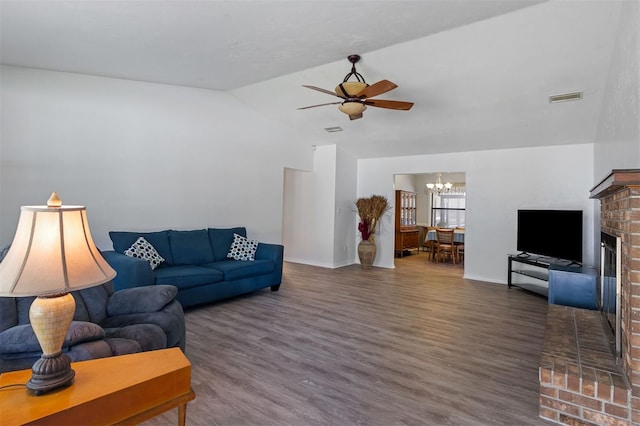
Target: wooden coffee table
{"x":120,"y":390}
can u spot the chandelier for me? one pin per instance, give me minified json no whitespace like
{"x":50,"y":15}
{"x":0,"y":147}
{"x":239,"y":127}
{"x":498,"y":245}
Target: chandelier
{"x":439,"y":187}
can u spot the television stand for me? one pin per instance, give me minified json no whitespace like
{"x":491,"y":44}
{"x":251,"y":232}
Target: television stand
{"x":529,"y":272}
{"x":561,"y":281}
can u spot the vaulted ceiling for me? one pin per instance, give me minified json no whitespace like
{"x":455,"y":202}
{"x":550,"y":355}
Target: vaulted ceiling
{"x":479,"y":71}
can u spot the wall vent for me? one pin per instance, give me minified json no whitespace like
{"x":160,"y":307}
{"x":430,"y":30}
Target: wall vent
{"x":333,"y":129}
{"x":563,"y":97}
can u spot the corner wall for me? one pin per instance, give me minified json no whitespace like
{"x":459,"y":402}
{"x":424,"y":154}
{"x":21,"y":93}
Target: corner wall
{"x":319,"y":219}
{"x":308,"y":216}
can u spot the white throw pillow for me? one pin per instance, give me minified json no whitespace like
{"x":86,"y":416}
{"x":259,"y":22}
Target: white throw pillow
{"x":142,"y":249}
{"x":242,"y":248}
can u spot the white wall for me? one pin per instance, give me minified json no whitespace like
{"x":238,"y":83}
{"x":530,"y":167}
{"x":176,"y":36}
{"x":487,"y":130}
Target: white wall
{"x":345,"y":215}
{"x":309,"y":205}
{"x":144,"y":156}
{"x":140,"y":156}
{"x":319,"y":217}
{"x":298,"y":199}
{"x":404,"y":183}
{"x":618,"y":136}
{"x":498,"y":184}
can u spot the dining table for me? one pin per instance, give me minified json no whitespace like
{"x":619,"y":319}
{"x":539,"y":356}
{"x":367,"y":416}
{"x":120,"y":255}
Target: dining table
{"x":458,"y":235}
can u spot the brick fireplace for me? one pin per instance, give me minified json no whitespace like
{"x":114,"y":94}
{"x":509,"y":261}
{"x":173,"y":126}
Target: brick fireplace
{"x":581,"y":381}
{"x":619,"y":195}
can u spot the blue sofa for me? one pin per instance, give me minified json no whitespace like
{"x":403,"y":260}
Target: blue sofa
{"x":196,"y":263}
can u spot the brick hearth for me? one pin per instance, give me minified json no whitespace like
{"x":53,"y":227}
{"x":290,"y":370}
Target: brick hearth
{"x":579,"y":378}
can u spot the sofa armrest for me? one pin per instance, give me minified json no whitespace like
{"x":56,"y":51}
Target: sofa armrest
{"x":131,"y":271}
{"x":273,"y":252}
{"x":170,"y":318}
{"x":139,"y":300}
{"x":22,"y":339}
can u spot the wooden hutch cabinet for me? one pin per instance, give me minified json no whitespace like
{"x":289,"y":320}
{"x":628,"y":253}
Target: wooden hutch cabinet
{"x":407,"y":233}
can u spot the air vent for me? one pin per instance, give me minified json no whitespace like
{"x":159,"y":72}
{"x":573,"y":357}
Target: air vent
{"x":573,"y":96}
{"x":333,"y":129}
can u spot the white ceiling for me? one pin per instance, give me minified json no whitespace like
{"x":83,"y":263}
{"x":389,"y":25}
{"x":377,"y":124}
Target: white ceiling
{"x":479,"y":71}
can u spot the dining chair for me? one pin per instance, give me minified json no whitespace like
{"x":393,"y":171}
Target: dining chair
{"x":429,"y":246}
{"x":459,"y":251}
{"x":459,"y":246}
{"x":445,"y":245}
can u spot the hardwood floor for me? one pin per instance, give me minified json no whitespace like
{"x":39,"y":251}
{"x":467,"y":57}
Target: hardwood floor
{"x":415,"y":345}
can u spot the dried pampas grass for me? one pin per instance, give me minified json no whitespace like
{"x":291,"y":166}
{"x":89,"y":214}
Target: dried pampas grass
{"x":370,"y":210}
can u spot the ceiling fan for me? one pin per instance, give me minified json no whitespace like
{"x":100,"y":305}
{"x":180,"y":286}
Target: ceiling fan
{"x":356,"y":95}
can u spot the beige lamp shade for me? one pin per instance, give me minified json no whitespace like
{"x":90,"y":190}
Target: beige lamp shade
{"x":350,"y":89}
{"x":352,"y":108}
{"x":52,"y":252}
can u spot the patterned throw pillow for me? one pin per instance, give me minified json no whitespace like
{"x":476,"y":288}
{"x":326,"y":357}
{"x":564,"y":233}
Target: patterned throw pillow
{"x":242,"y":248}
{"x":142,"y":249}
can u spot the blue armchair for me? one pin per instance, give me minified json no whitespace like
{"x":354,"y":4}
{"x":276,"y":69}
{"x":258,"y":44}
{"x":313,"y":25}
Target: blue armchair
{"x":106,"y":323}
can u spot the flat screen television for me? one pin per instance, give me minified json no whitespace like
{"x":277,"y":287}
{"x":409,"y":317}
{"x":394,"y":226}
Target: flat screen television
{"x":551,"y":233}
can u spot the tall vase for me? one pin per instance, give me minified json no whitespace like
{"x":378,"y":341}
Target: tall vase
{"x":366,"y":253}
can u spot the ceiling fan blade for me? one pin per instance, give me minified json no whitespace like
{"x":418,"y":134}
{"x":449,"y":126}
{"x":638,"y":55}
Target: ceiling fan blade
{"x":376,"y":89}
{"x":328,"y":92}
{"x":313,"y":106}
{"x":355,"y":117}
{"x":384,"y":103}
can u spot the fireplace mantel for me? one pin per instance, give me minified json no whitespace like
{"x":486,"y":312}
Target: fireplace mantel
{"x":617,"y":179}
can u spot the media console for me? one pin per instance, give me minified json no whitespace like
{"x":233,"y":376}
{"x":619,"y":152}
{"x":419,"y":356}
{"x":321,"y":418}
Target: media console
{"x":529,"y":273}
{"x":560,"y":281}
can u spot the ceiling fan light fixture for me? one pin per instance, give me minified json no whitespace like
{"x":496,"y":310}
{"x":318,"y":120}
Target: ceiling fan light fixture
{"x":357,"y":95}
{"x":350,"y":89}
{"x":352,"y":108}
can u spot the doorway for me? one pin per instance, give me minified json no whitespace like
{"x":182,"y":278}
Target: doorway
{"x":440,"y":201}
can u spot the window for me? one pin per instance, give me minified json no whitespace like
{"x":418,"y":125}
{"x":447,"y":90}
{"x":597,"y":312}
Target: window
{"x":448,"y":210}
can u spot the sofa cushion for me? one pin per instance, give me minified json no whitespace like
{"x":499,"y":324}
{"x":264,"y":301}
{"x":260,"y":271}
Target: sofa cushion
{"x":190,"y":247}
{"x":23,"y":304}
{"x":121,"y":346}
{"x":139,"y":300}
{"x":8,"y":313}
{"x":221,"y":239}
{"x":187,"y":276}
{"x":242,"y":248}
{"x":91,"y":304}
{"x":150,"y":337}
{"x":21,"y":338}
{"x":143,"y":249}
{"x":237,"y":269}
{"x":100,"y":349}
{"x":122,"y":240}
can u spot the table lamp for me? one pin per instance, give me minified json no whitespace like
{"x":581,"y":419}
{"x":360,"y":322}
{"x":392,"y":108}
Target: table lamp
{"x":52,"y":254}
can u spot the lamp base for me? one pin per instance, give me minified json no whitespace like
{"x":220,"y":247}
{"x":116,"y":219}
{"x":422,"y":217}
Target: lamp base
{"x":51,"y":372}
{"x":50,"y":317}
